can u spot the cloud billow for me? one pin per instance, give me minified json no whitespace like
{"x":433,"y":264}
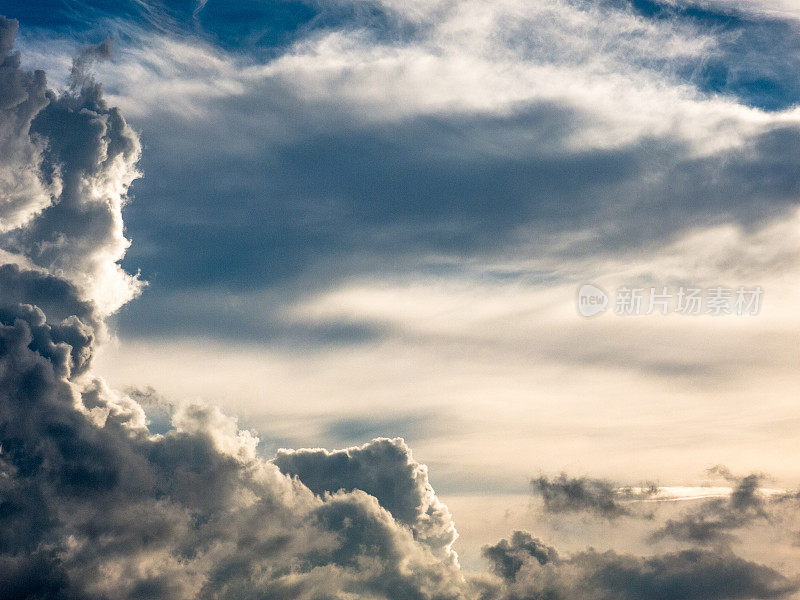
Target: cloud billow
{"x":508,"y":557}
{"x":384,"y":469}
{"x":564,"y":494}
{"x":92,"y":504}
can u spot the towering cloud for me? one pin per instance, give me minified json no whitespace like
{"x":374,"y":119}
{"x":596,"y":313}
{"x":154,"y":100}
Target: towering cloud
{"x":23,"y":192}
{"x":67,"y":163}
{"x":384,"y":469}
{"x":94,"y":505}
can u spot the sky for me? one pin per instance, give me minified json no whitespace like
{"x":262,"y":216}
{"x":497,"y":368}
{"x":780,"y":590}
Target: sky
{"x":525,"y":269}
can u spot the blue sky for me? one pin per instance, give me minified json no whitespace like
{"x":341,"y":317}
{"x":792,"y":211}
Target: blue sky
{"x":359,"y":219}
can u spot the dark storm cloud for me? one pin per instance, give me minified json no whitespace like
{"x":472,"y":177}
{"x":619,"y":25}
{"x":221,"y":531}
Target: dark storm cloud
{"x":337,"y":188}
{"x":686,"y":575}
{"x":68,"y":344}
{"x":57,"y":298}
{"x":107,"y":498}
{"x":508,"y":557}
{"x":564,"y":494}
{"x":225,"y":315}
{"x":715,"y":521}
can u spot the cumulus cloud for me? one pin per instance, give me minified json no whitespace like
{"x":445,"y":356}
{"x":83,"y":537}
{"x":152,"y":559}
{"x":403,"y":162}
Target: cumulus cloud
{"x":78,"y":156}
{"x":384,"y":469}
{"x":507,"y":557}
{"x":24,"y":189}
{"x":564,"y":494}
{"x":101,"y":508}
